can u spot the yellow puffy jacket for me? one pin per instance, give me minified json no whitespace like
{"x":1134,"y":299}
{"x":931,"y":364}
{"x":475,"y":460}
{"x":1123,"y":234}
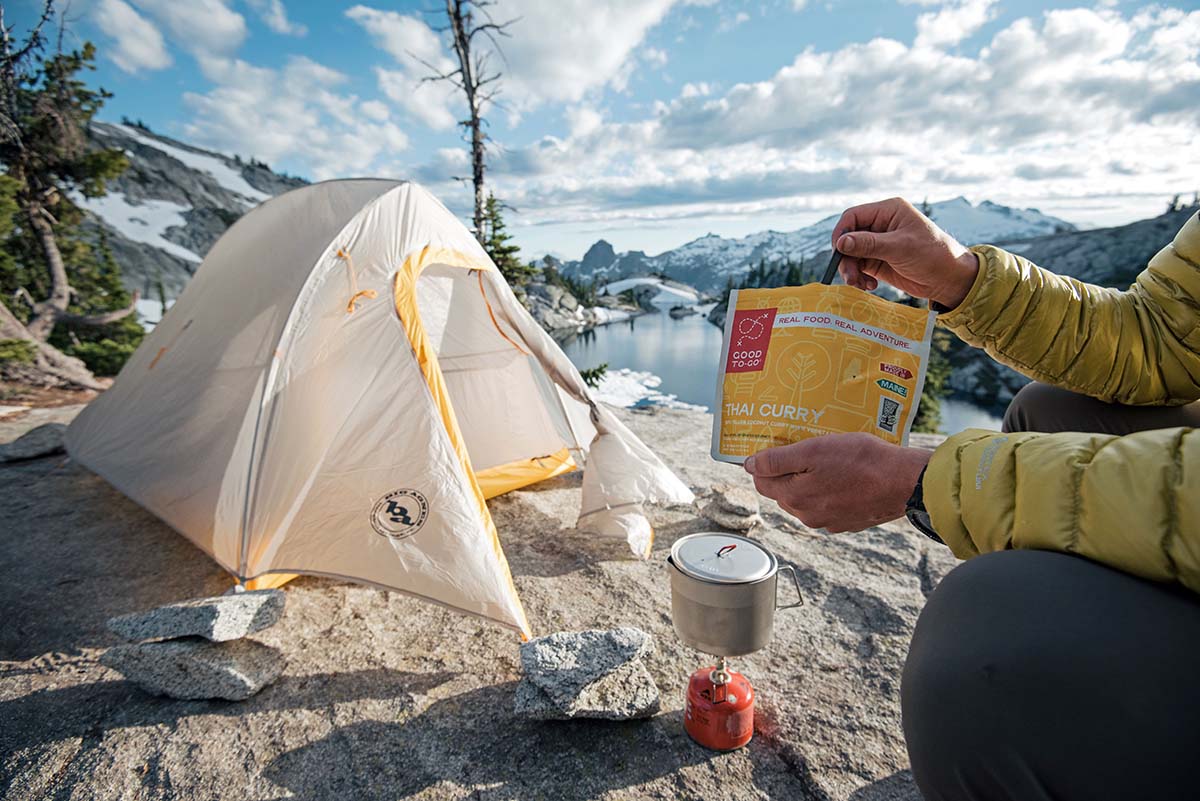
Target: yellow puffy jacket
{"x":1132,"y":502}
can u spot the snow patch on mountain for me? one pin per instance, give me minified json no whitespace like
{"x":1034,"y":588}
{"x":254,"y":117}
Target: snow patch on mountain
{"x":145,"y":222}
{"x":221,"y":172}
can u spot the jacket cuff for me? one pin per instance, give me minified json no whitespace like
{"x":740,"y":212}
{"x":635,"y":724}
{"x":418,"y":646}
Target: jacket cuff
{"x":942,"y":486}
{"x":994,"y":284}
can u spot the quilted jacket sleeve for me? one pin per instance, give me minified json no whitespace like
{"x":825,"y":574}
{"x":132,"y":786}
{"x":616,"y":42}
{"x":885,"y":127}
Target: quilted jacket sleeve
{"x":1131,"y":502}
{"x":1138,"y":347}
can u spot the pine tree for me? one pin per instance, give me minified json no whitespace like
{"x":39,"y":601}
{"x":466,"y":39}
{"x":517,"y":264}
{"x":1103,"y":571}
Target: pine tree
{"x":795,"y":275}
{"x":496,"y":243}
{"x":45,"y":110}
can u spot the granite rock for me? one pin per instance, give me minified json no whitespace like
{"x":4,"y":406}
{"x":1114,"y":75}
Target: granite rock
{"x":194,"y":668}
{"x":45,"y":440}
{"x":732,"y":506}
{"x":221,"y":618}
{"x":416,"y":701}
{"x":587,"y":674}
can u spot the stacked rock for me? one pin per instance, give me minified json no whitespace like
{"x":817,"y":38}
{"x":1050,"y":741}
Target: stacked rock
{"x":587,"y":674}
{"x":195,"y":649}
{"x":733,"y":507}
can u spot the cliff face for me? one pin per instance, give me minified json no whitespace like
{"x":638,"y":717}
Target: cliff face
{"x":1110,"y":257}
{"x":1104,"y":256}
{"x":164,"y":213}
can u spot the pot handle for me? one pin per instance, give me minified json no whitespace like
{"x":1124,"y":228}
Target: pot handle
{"x":796,"y":582}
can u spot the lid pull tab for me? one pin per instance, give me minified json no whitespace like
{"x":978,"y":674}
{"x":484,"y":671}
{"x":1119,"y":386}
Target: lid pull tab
{"x":725,"y":550}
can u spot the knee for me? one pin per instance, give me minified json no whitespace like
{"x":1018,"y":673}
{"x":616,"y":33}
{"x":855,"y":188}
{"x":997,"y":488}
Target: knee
{"x":950,"y":693}
{"x":1034,"y":408}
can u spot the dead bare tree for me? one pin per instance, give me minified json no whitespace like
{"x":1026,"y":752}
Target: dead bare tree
{"x":466,"y":20}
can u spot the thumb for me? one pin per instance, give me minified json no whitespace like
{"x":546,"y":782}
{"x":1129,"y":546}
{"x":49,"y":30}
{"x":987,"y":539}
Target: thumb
{"x":775,"y":461}
{"x":867,"y":245}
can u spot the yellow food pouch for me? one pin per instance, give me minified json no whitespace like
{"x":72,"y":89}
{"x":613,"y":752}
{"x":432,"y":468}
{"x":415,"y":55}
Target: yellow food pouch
{"x":801,"y":362}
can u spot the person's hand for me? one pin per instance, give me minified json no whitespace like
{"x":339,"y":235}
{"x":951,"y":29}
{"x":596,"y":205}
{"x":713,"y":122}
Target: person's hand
{"x":839,"y":482}
{"x":891,"y":241}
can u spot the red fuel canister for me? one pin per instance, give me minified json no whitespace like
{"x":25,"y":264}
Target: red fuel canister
{"x":719,"y":714}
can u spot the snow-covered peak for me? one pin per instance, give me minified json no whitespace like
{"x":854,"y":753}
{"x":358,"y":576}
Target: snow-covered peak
{"x":708,"y":261}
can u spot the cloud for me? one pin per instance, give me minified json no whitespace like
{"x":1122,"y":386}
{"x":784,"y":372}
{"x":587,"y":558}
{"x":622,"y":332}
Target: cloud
{"x":953,"y":22}
{"x":202,"y":27}
{"x":561,"y":50}
{"x":1072,"y":102}
{"x":729,"y":23}
{"x":654,"y":57}
{"x":295,"y":112}
{"x":1040,"y":172}
{"x":418,"y":53}
{"x":556,"y":51}
{"x":138,"y":45}
{"x":275,"y":16}
{"x":374,"y":110}
{"x":406,"y":38}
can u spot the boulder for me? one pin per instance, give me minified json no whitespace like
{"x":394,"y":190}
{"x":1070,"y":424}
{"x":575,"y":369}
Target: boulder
{"x":45,"y":440}
{"x":732,"y":506}
{"x":221,"y":618}
{"x":587,"y":674}
{"x":194,"y":668}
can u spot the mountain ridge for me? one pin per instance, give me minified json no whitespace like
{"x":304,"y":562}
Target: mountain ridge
{"x":708,"y":262}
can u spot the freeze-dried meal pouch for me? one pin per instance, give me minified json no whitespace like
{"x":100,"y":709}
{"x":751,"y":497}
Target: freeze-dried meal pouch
{"x":800,"y":362}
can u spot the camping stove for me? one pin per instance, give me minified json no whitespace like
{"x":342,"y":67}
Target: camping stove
{"x":723,"y":603}
{"x":719,"y":711}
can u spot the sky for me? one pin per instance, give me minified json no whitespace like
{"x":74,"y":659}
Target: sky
{"x":652,"y":122}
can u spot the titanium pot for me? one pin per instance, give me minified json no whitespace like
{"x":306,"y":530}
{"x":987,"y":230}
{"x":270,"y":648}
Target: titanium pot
{"x":723,"y":589}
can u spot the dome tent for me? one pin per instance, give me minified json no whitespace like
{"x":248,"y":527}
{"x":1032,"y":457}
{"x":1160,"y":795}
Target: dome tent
{"x":338,"y":389}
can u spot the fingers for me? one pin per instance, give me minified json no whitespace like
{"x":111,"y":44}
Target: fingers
{"x":775,"y":487}
{"x":876,"y":216}
{"x":869,"y":245}
{"x":778,"y":461}
{"x":854,"y":275}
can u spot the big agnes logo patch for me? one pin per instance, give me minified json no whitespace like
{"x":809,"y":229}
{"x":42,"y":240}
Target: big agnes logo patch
{"x":400,"y":514}
{"x":748,"y":341}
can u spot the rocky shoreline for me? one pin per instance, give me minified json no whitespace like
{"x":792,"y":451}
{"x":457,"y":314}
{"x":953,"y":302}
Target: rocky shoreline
{"x":386,"y":697}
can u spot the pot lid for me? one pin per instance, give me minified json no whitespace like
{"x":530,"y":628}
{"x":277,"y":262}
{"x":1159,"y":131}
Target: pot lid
{"x":722,"y":558}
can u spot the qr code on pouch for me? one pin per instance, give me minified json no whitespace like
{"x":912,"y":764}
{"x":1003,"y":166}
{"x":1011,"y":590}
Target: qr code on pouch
{"x":889,"y":415}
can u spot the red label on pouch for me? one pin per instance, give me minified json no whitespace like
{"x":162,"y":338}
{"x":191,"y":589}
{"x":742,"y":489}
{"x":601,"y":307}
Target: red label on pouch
{"x":900,"y":372}
{"x":749,"y":340}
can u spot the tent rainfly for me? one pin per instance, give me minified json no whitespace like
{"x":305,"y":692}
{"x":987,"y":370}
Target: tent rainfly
{"x":343,"y":383}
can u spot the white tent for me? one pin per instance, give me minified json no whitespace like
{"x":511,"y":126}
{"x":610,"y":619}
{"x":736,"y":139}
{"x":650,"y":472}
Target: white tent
{"x":337,"y":391}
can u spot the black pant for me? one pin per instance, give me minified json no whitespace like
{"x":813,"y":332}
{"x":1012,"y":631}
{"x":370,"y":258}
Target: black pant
{"x":1035,"y":675}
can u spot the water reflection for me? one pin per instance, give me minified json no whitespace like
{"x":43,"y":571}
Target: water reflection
{"x":684,"y":352}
